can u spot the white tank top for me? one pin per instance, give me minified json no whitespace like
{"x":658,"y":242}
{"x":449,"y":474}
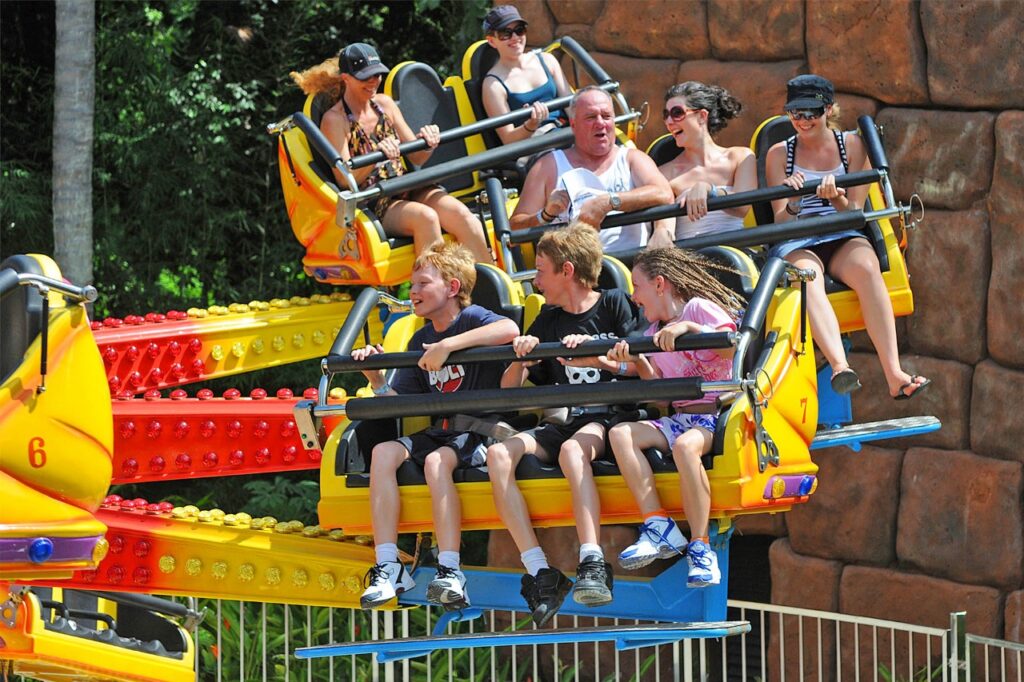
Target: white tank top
{"x":616,"y":179}
{"x":714,"y":221}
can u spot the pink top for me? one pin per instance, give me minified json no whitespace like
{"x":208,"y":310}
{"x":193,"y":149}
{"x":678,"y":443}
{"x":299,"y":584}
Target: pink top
{"x":706,"y":363}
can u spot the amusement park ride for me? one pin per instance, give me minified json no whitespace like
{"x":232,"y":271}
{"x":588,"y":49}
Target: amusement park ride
{"x":89,"y":404}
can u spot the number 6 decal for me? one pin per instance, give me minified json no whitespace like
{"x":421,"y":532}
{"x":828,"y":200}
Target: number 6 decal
{"x":36,"y":453}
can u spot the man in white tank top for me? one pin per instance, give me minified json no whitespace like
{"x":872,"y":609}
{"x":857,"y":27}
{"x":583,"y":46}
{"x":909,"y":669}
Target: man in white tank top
{"x":593,"y":178}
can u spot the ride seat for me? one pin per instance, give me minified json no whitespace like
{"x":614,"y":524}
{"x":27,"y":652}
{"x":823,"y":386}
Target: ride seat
{"x":778,"y":129}
{"x":418,"y":91}
{"x":315,"y":108}
{"x":21,"y":316}
{"x":663,"y":150}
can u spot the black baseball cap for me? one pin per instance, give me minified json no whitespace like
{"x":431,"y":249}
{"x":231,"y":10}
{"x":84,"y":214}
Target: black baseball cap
{"x":809,"y":92}
{"x":361,"y":61}
{"x":502,"y":16}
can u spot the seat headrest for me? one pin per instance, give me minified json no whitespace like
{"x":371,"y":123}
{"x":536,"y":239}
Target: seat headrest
{"x":771,"y":132}
{"x":493,"y":291}
{"x":663,"y":150}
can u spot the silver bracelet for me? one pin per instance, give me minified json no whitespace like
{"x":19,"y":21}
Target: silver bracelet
{"x":623,"y":368}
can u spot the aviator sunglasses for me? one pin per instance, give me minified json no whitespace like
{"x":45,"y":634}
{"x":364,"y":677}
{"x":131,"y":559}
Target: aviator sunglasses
{"x":507,"y":33}
{"x":805,"y":114}
{"x":677,"y":113}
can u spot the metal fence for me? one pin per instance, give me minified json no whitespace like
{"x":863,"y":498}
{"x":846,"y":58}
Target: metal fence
{"x":255,"y":641}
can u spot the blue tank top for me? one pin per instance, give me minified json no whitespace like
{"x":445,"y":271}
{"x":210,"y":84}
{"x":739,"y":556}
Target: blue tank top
{"x":542,"y":93}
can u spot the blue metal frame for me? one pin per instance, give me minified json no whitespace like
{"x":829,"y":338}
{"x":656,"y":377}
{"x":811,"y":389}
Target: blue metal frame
{"x":688,"y":613}
{"x":625,"y":637}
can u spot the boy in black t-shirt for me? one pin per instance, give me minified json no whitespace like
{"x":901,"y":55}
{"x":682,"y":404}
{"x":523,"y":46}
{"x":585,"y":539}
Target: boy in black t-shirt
{"x":568,"y":264}
{"x":442,"y":280}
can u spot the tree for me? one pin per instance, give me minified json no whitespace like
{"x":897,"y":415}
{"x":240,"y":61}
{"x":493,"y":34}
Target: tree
{"x":73,"y":101}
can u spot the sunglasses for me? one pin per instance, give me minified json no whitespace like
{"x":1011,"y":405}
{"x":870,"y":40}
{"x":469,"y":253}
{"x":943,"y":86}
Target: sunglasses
{"x":677,"y":113}
{"x":507,"y":33}
{"x":806,"y":114}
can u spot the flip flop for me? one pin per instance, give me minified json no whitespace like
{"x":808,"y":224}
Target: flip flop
{"x":845,"y":381}
{"x":920,"y":387}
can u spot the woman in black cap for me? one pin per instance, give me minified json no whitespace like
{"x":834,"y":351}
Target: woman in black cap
{"x":819,"y":150}
{"x":520,"y":78}
{"x":362,"y":121}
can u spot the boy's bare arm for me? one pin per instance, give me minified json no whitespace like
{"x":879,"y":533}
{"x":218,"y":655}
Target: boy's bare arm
{"x":494,"y":334}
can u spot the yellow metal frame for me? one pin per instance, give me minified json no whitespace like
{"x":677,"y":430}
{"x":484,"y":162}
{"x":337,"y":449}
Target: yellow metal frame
{"x":39,"y":653}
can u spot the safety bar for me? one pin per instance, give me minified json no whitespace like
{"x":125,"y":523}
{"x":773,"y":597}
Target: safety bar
{"x":554,"y":349}
{"x":474,"y":162}
{"x":869,"y":132}
{"x":495,"y":196}
{"x":503,"y":400}
{"x":319,"y":142}
{"x":580,"y":56}
{"x":714,"y":204}
{"x":461,"y":132}
{"x":147,"y":602}
{"x":9,"y":279}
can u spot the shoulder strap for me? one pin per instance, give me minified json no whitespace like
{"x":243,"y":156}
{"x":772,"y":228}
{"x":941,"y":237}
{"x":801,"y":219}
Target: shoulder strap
{"x":790,"y":155}
{"x":491,"y":75}
{"x":841,"y":141}
{"x":540,"y":57}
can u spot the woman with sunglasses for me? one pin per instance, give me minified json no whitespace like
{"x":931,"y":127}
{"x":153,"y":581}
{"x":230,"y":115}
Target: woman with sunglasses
{"x":693,"y":113}
{"x":819,"y":150}
{"x":362,"y":121}
{"x":520,"y":78}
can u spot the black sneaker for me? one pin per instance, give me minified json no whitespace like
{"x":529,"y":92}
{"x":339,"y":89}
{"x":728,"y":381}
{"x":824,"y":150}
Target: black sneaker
{"x":593,"y":582}
{"x":545,"y":593}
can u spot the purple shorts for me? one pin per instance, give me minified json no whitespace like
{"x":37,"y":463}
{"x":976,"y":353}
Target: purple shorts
{"x":678,"y":424}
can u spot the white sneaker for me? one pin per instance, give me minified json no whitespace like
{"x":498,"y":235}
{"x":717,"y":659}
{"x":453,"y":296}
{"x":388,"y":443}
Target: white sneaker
{"x":448,"y":588}
{"x":703,"y":565}
{"x":384,"y":582}
{"x":658,"y":540}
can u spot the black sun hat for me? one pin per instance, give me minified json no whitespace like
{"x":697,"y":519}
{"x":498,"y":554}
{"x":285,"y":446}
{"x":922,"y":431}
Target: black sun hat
{"x":501,"y":17}
{"x":361,"y":61}
{"x":809,"y":92}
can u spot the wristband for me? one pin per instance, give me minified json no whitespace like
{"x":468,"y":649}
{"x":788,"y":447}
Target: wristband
{"x":383,"y":389}
{"x":623,"y":368}
{"x":526,"y":126}
{"x":543,"y":217}
{"x":790,"y":211}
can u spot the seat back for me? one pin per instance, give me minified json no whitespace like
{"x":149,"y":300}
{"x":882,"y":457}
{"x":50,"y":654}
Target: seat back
{"x":664,"y":149}
{"x":614,"y":275}
{"x":477,"y":61}
{"x":496,"y":291}
{"x":418,"y":91}
{"x":21,"y":316}
{"x":315,"y":108}
{"x":770,"y":132}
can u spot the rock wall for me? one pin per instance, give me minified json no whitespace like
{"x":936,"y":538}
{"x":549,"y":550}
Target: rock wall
{"x":911,"y":529}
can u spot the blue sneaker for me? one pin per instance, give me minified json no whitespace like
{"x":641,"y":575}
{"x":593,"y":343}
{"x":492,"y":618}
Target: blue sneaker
{"x":703,"y":565}
{"x":658,"y":540}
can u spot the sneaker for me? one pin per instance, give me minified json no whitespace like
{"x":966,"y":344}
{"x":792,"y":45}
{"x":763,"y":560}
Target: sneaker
{"x":593,"y":582}
{"x":703,"y":565}
{"x":448,"y":588}
{"x":384,"y":582}
{"x":544,"y":593}
{"x":658,"y":540}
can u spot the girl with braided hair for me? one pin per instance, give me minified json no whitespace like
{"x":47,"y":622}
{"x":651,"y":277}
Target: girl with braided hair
{"x":679,"y":296}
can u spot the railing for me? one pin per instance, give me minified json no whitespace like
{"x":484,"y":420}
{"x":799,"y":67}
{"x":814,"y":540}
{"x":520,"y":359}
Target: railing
{"x":254,"y":641}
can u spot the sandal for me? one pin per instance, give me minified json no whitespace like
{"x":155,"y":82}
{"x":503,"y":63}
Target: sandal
{"x":913,"y":382}
{"x":845,"y":381}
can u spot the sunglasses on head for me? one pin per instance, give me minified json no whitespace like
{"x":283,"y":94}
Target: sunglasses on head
{"x":507,"y":33}
{"x":806,"y":114}
{"x":677,"y":113}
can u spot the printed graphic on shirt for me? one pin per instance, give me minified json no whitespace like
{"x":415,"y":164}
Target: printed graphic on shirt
{"x":448,"y":379}
{"x":582,"y":375}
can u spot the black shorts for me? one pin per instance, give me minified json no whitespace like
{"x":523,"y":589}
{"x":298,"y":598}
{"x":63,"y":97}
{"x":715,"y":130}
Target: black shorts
{"x":470,"y":448}
{"x":827,"y":250}
{"x":550,"y":437}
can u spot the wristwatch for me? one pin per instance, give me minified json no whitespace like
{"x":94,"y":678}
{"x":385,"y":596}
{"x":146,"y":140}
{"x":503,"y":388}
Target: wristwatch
{"x":615,"y":201}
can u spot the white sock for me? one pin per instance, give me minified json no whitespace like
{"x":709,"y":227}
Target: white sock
{"x":534,"y":560}
{"x":588,"y":549}
{"x":449,"y":559}
{"x":387,"y":551}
